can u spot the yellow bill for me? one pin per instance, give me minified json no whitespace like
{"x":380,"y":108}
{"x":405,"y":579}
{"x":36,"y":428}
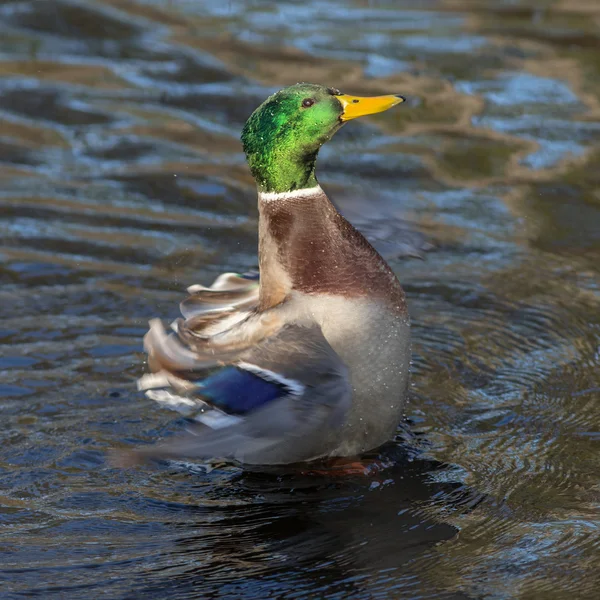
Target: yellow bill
{"x":358,"y":106}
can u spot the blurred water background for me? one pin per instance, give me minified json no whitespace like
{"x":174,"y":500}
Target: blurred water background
{"x":122,"y":181}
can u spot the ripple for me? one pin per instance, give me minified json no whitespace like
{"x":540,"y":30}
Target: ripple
{"x":123,"y":182}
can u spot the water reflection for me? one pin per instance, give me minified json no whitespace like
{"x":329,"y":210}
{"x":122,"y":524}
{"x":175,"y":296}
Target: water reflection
{"x":123,"y":182}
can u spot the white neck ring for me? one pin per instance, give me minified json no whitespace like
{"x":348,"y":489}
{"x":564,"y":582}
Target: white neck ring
{"x":301,"y":193}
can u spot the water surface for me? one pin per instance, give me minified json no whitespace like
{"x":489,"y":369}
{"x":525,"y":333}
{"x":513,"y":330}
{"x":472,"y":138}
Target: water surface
{"x":122,"y":181}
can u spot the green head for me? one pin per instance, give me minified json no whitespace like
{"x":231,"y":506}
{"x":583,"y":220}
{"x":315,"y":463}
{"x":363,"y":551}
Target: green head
{"x":283,"y":135}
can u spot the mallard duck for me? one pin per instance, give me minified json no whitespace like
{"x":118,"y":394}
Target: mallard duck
{"x":314,"y":353}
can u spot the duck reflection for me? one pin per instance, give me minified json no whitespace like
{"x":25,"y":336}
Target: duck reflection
{"x":328,"y":536}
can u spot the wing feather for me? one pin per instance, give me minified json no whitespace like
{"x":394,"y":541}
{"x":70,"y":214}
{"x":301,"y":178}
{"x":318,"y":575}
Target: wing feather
{"x":301,"y":403}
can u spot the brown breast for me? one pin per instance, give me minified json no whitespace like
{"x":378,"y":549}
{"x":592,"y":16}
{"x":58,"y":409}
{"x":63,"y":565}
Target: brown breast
{"x":306,"y":241}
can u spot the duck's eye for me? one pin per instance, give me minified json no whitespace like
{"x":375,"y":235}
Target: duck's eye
{"x":307,"y":102}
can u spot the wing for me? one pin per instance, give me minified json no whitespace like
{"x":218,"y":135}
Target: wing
{"x":230,"y":292}
{"x":282,"y":401}
{"x":386,"y":227}
{"x":218,"y":321}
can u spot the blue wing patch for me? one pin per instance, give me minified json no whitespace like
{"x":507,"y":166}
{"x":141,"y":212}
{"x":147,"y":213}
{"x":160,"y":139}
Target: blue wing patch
{"x":238,"y":391}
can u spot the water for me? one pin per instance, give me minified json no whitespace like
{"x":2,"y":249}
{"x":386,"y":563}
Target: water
{"x":122,"y":182}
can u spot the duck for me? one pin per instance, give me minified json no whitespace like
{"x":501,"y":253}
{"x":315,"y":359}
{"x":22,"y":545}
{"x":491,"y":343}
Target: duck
{"x":313,"y":351}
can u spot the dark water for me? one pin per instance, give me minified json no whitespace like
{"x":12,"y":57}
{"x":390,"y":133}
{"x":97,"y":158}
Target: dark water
{"x":122,"y":181}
